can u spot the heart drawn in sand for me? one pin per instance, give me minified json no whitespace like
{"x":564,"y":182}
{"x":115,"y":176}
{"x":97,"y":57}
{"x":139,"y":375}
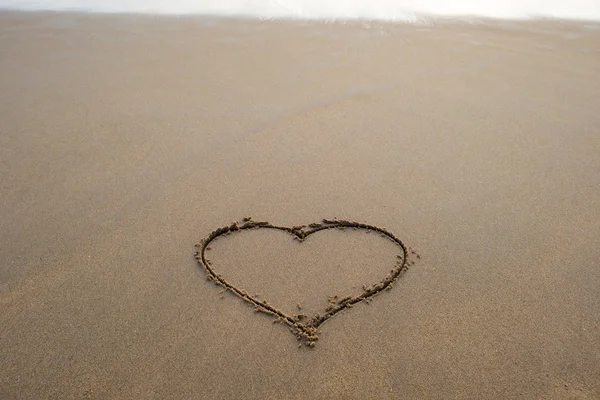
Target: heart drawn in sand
{"x":305,"y":329}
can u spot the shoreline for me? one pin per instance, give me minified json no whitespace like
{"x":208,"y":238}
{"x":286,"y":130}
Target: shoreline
{"x":419,"y":20}
{"x":124,"y":144}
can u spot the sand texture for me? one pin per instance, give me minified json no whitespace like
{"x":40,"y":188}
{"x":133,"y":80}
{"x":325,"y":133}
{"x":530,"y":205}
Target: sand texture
{"x":126,"y":140}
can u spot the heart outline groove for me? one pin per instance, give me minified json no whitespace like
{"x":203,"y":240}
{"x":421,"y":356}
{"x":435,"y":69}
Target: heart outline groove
{"x":305,"y":331}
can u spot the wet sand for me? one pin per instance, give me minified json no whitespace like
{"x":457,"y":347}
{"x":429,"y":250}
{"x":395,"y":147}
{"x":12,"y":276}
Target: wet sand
{"x":125,"y":140}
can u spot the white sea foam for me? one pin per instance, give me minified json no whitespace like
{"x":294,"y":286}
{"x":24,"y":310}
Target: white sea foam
{"x":329,"y":9}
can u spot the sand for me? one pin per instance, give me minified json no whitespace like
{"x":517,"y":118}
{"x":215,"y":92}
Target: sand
{"x":125,"y":140}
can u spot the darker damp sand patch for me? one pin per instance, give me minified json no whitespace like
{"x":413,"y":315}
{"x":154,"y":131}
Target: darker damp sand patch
{"x":304,"y":328}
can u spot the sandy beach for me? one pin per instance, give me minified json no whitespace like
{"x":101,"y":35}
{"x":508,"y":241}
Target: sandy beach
{"x":125,"y":140}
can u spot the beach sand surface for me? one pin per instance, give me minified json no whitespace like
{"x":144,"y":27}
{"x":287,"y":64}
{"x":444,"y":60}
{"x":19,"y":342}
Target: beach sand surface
{"x":125,"y":140}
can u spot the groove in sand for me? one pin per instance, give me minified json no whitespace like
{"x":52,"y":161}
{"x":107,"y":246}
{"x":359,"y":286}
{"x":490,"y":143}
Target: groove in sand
{"x":306,"y":331}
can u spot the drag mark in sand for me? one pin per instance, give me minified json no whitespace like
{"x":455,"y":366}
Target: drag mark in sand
{"x":305,"y":329}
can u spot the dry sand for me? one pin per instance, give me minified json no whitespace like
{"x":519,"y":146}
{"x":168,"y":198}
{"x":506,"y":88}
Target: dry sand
{"x":125,"y":140}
